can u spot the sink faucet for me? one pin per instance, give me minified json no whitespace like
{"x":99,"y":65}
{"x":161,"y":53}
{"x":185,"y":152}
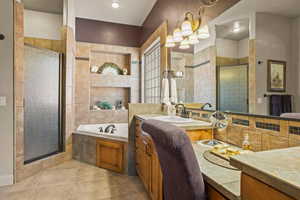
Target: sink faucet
{"x":184,"y":113}
{"x":110,"y":129}
{"x":206,"y":104}
{"x":180,"y":105}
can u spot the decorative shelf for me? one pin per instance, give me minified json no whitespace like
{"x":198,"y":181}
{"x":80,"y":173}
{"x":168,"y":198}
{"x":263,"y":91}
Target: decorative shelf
{"x":105,"y":80}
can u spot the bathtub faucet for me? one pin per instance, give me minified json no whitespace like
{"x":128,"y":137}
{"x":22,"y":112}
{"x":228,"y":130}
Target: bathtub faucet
{"x":110,"y":129}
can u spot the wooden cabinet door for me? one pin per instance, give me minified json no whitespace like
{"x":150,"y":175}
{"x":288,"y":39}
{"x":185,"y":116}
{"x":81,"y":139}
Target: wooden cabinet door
{"x":156,"y":187}
{"x":213,"y":194}
{"x":143,"y":167}
{"x":110,"y":155}
{"x":254,"y":189}
{"x":196,"y":135}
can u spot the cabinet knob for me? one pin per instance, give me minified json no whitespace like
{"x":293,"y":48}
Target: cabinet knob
{"x":2,"y":37}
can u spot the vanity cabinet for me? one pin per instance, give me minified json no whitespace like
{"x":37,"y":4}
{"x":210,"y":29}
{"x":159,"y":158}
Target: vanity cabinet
{"x":110,"y":155}
{"x":196,"y":135}
{"x":254,"y":189}
{"x":147,"y":162}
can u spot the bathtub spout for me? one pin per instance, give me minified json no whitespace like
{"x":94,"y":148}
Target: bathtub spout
{"x":110,"y":129}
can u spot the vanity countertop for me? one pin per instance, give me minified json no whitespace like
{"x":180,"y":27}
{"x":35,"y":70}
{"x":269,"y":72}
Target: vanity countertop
{"x":189,"y":126}
{"x":226,"y":181}
{"x":277,"y":168}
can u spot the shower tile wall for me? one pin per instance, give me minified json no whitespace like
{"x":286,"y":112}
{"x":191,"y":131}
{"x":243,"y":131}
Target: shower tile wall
{"x":68,"y":47}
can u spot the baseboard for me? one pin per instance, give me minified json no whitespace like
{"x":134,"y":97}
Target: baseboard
{"x":6,"y":180}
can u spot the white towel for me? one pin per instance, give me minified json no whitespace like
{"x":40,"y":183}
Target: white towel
{"x":165,"y":95}
{"x":173,"y":98}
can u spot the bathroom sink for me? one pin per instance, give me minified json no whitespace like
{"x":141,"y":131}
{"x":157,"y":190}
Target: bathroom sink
{"x":173,"y":119}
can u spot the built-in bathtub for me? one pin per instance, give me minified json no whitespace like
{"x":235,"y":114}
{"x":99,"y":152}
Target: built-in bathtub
{"x":120,"y":131}
{"x":91,"y":142}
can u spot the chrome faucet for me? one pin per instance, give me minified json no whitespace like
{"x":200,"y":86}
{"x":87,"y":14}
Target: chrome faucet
{"x":184,"y":113}
{"x":206,"y":104}
{"x":110,"y":129}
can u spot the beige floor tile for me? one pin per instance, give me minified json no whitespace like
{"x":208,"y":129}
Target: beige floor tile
{"x":57,"y":192}
{"x":18,"y":195}
{"x":74,"y":180}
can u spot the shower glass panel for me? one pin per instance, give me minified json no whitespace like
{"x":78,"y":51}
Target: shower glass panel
{"x":42,"y":106}
{"x":233,"y":88}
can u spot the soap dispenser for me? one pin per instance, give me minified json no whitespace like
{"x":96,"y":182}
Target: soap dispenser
{"x":246,"y":144}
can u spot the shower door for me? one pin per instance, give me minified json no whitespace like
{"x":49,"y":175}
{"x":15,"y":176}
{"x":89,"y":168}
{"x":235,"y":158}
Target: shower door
{"x":42,"y":103}
{"x":233,"y":88}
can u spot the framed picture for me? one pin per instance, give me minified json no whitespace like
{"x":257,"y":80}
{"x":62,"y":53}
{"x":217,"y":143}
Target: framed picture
{"x":276,"y":76}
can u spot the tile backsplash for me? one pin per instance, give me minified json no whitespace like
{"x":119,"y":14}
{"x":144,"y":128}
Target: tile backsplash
{"x":264,"y":133}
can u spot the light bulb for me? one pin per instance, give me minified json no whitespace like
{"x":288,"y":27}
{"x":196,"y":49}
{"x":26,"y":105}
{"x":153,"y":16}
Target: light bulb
{"x":203,"y":33}
{"x":115,"y":4}
{"x":170,"y":45}
{"x":236,"y":27}
{"x":177,"y":36}
{"x":236,"y":30}
{"x":186,"y":28}
{"x":170,"y":41}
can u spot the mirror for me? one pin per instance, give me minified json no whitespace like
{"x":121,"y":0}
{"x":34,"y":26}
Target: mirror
{"x":249,"y":64}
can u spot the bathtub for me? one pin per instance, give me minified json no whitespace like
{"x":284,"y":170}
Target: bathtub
{"x":121,"y":130}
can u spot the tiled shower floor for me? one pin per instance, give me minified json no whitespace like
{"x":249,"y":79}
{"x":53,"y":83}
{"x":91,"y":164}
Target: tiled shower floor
{"x":73,"y":180}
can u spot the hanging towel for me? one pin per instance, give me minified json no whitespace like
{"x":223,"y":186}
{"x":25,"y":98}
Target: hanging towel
{"x":165,"y":95}
{"x":275,"y":105}
{"x":286,"y":103}
{"x":174,"y":98}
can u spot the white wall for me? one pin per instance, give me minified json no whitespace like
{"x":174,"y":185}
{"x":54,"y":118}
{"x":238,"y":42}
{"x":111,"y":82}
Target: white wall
{"x":273,"y":41}
{"x":243,"y":48}
{"x":227,"y":48}
{"x":69,"y":13}
{"x":6,"y":90}
{"x":296,"y":58}
{"x":232,"y":48}
{"x":42,"y":25}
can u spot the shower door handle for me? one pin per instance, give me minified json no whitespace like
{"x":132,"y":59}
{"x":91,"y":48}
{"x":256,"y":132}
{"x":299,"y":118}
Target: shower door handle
{"x":2,"y":37}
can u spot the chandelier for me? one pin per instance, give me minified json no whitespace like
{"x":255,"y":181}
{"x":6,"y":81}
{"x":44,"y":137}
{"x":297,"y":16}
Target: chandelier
{"x":190,"y":30}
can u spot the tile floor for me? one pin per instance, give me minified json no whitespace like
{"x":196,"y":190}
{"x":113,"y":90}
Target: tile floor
{"x":74,"y":180}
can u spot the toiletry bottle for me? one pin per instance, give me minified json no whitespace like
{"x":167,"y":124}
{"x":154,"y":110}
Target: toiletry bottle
{"x":246,"y":144}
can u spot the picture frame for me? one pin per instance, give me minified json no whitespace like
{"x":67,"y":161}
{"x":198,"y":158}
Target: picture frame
{"x":276,"y":76}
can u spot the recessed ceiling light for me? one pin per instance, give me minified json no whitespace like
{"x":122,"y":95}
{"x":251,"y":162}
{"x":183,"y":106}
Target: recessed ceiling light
{"x":236,"y":27}
{"x":236,"y":30}
{"x":115,"y":4}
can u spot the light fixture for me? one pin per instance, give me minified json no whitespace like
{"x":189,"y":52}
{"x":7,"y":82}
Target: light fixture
{"x":115,"y":4}
{"x":203,"y":33}
{"x":170,"y":42}
{"x":177,"y":35}
{"x":236,"y":30}
{"x":184,"y":44}
{"x":236,"y":27}
{"x":186,"y":28}
{"x":189,"y":32}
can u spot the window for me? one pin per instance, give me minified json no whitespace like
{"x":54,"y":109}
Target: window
{"x":152,"y":74}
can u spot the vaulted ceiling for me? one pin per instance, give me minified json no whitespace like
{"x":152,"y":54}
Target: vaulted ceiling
{"x":132,"y":12}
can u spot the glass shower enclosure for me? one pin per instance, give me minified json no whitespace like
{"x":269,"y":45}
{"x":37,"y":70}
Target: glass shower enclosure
{"x":42,"y":103}
{"x":233,"y":88}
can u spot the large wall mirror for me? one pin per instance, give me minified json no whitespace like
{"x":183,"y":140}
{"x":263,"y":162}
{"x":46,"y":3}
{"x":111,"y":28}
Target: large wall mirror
{"x":249,"y":64}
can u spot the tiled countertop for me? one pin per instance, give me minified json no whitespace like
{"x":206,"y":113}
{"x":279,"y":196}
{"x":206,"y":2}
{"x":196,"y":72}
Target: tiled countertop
{"x":277,"y":168}
{"x":226,"y":181}
{"x":187,"y":126}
